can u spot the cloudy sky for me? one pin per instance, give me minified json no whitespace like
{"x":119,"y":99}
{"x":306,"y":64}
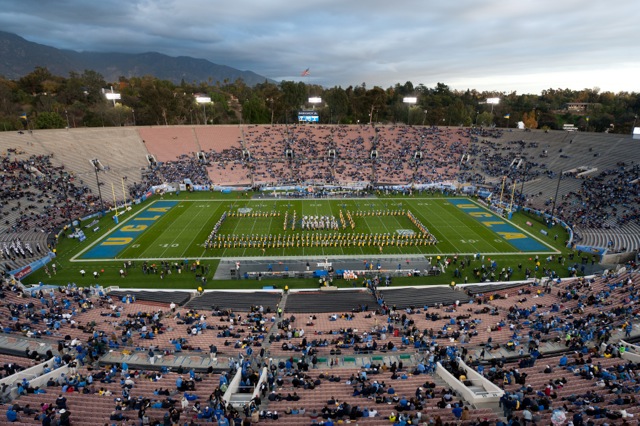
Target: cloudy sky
{"x":524,"y":46}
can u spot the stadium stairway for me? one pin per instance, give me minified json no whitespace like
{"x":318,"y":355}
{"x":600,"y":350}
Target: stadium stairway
{"x":274,"y":329}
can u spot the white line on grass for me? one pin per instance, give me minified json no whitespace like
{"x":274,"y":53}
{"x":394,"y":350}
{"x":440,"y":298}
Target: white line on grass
{"x":235,"y":204}
{"x":201,"y":228}
{"x":555,"y":251}
{"x":103,"y":237}
{"x":177,"y":237}
{"x":348,"y":256}
{"x":470,"y":227}
{"x":454,"y":229}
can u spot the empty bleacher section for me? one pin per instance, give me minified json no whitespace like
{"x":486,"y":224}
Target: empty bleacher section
{"x":120,"y":155}
{"x":50,"y":180}
{"x":222,"y":146}
{"x":47,"y":164}
{"x":31,"y":204}
{"x":476,"y":289}
{"x":165,"y":297}
{"x":420,"y":297}
{"x":623,"y":239}
{"x":218,"y":138}
{"x":169,"y":143}
{"x":236,"y":300}
{"x":329,"y":301}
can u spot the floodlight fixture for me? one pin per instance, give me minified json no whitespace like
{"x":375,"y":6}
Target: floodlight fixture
{"x":315,"y":100}
{"x":492,"y":102}
{"x":409,"y":100}
{"x":204,"y":100}
{"x":112,"y":96}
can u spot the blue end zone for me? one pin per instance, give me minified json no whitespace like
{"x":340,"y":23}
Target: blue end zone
{"x":120,"y":239}
{"x":510,"y":233}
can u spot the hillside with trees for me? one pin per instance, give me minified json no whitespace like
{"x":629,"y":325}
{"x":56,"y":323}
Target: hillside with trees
{"x":41,"y":99}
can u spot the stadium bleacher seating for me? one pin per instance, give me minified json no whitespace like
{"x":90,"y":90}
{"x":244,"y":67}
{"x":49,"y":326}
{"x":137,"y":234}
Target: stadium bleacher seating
{"x":485,"y":325}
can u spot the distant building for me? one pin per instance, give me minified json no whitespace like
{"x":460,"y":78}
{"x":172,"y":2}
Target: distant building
{"x":578,"y":107}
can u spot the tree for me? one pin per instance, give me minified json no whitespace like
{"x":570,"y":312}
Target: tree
{"x":377,"y":100}
{"x":293,"y":96}
{"x":50,"y":120}
{"x":484,"y":119}
{"x":459,"y":114}
{"x":155,"y":101}
{"x":254,"y":111}
{"x":529,"y":119}
{"x":33,"y":82}
{"x":338,"y":103}
{"x":548,"y":121}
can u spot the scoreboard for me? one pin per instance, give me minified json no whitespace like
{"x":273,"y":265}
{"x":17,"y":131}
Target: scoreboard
{"x":308,"y":117}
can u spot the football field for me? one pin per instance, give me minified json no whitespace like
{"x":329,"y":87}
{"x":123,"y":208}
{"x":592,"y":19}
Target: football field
{"x":209,"y":229}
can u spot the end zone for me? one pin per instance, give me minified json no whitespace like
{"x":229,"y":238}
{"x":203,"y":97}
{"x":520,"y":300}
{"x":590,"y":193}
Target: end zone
{"x":114,"y":242}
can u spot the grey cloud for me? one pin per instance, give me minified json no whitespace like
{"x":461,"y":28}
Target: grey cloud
{"x":528,"y":44}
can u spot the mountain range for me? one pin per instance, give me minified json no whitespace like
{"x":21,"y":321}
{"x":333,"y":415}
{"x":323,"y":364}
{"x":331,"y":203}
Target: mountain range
{"x":20,"y":57}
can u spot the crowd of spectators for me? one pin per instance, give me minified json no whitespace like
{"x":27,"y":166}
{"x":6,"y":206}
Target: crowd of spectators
{"x":580,"y":314}
{"x":599,"y":199}
{"x":38,"y":196}
{"x":363,"y":154}
{"x":608,"y":199}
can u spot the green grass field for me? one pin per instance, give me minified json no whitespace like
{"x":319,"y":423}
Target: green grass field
{"x":182,"y":229}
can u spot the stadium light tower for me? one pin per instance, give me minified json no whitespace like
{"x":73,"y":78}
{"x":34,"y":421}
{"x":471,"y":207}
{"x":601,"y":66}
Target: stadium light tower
{"x":96,"y":168}
{"x":204,"y":100}
{"x":315,"y":100}
{"x":492,"y":102}
{"x":409,"y":100}
{"x":112,"y":96}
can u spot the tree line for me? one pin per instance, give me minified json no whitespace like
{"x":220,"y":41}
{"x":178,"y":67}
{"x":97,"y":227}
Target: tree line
{"x":41,"y":100}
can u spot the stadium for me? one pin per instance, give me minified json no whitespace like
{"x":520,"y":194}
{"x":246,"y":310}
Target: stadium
{"x":317,"y":274}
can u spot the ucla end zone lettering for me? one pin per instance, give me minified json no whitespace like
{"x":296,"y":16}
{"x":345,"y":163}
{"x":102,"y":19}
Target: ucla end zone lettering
{"x":120,"y":239}
{"x":507,"y":231}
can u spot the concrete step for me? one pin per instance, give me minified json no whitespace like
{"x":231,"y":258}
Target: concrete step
{"x":239,"y":399}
